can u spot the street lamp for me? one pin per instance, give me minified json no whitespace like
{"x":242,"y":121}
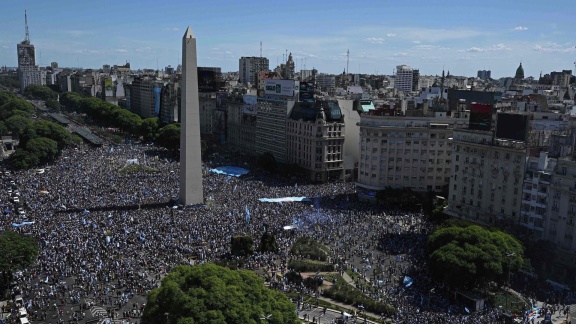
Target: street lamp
{"x":266,"y":317}
{"x":509,"y":256}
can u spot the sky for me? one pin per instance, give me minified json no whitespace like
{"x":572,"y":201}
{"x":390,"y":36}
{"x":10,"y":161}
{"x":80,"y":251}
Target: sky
{"x":458,"y":36}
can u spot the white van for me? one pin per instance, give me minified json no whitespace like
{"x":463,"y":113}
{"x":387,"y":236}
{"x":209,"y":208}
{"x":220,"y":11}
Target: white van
{"x":24,"y":320}
{"x":22,"y":312}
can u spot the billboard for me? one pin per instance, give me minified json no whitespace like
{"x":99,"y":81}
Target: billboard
{"x":306,"y":92}
{"x":221,"y":99}
{"x":511,"y":126}
{"x":249,"y":104}
{"x":480,"y":117}
{"x":207,"y":80}
{"x":280,"y":87}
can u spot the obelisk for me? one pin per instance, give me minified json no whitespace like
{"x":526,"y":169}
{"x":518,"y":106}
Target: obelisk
{"x":190,"y":148}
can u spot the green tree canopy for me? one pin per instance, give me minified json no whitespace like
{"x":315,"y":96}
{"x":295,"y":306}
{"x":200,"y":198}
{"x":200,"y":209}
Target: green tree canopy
{"x":13,"y":104}
{"x":16,"y":124}
{"x":18,"y":251}
{"x":44,"y":148}
{"x":471,"y":256}
{"x":169,"y":137}
{"x":212,"y":294}
{"x":23,"y":159}
{"x":149,"y":129}
{"x":40,"y":92}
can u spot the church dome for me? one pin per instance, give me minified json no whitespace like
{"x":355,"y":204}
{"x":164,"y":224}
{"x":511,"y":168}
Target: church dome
{"x":519,"y":72}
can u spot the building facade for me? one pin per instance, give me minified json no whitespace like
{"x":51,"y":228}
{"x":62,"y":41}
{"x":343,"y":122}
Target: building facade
{"x":271,"y":116}
{"x":315,"y":139}
{"x":405,"y":152}
{"x":487,"y":177}
{"x":249,"y":67}
{"x":406,"y":78}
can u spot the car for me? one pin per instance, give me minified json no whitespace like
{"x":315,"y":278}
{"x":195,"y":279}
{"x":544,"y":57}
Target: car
{"x":22,"y":312}
{"x":16,"y":199}
{"x":40,"y":171}
{"x":9,"y":190}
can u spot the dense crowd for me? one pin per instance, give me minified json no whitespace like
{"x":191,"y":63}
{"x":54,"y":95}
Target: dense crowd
{"x":115,"y":234}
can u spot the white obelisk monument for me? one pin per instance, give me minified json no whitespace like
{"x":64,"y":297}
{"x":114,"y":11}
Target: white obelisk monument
{"x":190,"y":148}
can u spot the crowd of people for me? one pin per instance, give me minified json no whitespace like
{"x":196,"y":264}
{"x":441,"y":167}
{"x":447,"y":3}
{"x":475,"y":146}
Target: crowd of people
{"x":102,"y":216}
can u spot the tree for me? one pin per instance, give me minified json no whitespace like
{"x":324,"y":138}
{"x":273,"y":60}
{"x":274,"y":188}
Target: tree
{"x":209,"y":293}
{"x":149,"y":129}
{"x":36,"y":91}
{"x":18,"y":252}
{"x":268,"y":243}
{"x":53,"y":104}
{"x":471,"y":256}
{"x":44,"y":148}
{"x":169,"y":137}
{"x":23,"y":159}
{"x":241,"y":245}
{"x":267,"y":161}
{"x":16,"y":124}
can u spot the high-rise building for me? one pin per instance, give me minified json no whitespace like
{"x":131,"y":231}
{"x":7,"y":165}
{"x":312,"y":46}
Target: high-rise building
{"x":250,"y":67}
{"x":28,"y":72}
{"x":145,"y":97}
{"x":484,"y":74}
{"x":406,"y":78}
{"x":191,"y":190}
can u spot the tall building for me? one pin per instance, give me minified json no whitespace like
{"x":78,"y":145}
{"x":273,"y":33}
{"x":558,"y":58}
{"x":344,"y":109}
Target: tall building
{"x":315,"y":139}
{"x":191,"y":190}
{"x":28,"y":72}
{"x":406,"y":78}
{"x":145,"y":97}
{"x":484,"y":74}
{"x":249,"y":67}
{"x":271,"y":115}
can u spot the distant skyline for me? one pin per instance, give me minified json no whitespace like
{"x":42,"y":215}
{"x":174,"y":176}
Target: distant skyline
{"x":460,"y":36}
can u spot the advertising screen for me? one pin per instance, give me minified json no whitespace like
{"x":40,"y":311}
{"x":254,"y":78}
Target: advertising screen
{"x":306,"y":92}
{"x":480,"y":117}
{"x":280,"y":87}
{"x":207,"y":80}
{"x":511,"y":126}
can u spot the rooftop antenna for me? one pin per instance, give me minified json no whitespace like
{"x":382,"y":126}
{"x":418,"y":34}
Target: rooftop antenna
{"x":27,"y":39}
{"x":347,"y":60}
{"x":260,"y":48}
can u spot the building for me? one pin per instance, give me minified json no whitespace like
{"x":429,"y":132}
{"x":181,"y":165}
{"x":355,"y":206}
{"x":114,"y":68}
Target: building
{"x":28,"y":72}
{"x":487,"y":177}
{"x":170,"y":103}
{"x":315,"y":139}
{"x":249,"y":67}
{"x":271,"y":116}
{"x":406,"y":78}
{"x":145,"y":93}
{"x":241,"y":122}
{"x":535,"y":194}
{"x":326,"y":82}
{"x":405,"y":152}
{"x":484,"y":74}
{"x":84,"y":82}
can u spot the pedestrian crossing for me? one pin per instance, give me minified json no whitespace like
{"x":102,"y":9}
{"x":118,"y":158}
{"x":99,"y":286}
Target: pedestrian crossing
{"x":98,"y":312}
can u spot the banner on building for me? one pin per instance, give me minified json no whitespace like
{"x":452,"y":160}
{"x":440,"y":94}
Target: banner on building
{"x":249,"y":104}
{"x":281,"y":87}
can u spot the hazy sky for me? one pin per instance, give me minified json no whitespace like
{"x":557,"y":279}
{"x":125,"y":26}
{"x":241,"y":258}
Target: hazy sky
{"x":462,"y":36}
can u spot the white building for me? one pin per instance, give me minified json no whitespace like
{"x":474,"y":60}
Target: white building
{"x":398,"y":152}
{"x":406,"y":78}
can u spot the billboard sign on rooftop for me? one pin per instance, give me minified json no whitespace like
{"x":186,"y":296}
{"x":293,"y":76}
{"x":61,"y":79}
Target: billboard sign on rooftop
{"x":280,"y":87}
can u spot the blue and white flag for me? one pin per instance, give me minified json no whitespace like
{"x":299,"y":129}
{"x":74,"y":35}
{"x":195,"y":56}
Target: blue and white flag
{"x":408,"y":281}
{"x":247,"y":215}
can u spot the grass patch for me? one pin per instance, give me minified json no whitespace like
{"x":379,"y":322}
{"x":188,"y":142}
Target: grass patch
{"x":508,"y":301}
{"x":345,"y":293}
{"x":310,"y":266}
{"x":310,"y":249}
{"x":134,"y":168}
